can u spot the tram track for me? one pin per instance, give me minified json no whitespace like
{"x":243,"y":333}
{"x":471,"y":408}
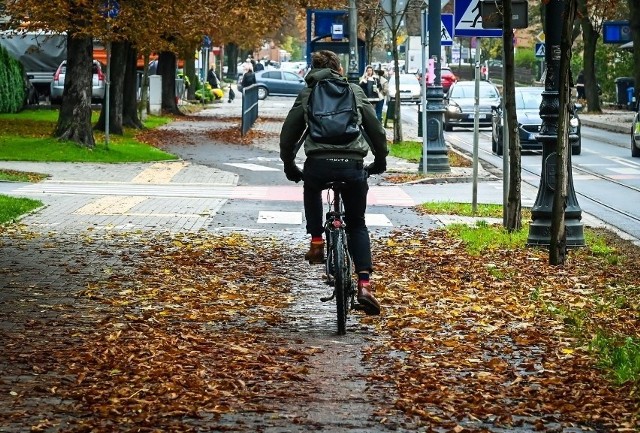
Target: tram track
{"x":489,"y":158}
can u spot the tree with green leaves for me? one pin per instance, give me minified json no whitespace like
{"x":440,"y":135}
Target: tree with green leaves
{"x":592,"y":14}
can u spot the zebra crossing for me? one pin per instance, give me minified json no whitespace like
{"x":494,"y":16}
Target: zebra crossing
{"x":165,"y":196}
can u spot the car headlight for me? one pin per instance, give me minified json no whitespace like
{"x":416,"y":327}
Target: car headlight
{"x":574,"y":122}
{"x":453,"y":108}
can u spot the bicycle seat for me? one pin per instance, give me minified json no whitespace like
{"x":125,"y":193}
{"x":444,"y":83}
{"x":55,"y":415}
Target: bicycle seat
{"x":335,"y":185}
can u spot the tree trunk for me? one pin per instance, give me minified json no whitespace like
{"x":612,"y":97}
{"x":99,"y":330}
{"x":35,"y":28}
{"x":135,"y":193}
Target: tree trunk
{"x":514,"y":201}
{"x":130,"y":117}
{"x":117,"y":71}
{"x":167,"y":64}
{"x":558,"y":242}
{"x":397,"y":118}
{"x":590,"y":37}
{"x":634,"y":20}
{"x":231,"y":50}
{"x":144,"y":91}
{"x":74,"y":119}
{"x":190,"y":72}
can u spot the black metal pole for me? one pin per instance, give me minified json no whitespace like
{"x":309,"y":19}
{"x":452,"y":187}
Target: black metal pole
{"x":437,"y":156}
{"x":353,"y":72}
{"x":541,"y":212}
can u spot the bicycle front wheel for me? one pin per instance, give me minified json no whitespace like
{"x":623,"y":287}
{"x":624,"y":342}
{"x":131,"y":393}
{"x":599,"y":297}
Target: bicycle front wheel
{"x":342,"y":278}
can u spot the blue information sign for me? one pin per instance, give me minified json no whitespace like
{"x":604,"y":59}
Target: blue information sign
{"x":616,"y":32}
{"x":540,"y":49}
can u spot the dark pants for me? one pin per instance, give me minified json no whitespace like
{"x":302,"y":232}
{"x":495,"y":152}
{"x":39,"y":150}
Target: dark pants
{"x":317,"y":172}
{"x":379,"y":108}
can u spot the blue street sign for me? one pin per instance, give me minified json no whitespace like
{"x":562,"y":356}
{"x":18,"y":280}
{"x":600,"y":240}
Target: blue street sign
{"x":539,"y":49}
{"x":616,"y":32}
{"x":468,"y":21}
{"x":111,"y":8}
{"x":446,"y":29}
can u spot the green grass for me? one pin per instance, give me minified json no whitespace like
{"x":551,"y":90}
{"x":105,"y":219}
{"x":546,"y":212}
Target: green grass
{"x":619,"y":356}
{"x":20,"y":176}
{"x":11,"y":207}
{"x":599,"y":247}
{"x":483,"y":236}
{"x":465,"y":209}
{"x":409,"y":150}
{"x":26,"y":136}
{"x":412,"y":152}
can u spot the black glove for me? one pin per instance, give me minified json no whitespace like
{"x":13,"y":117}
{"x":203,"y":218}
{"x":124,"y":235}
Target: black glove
{"x":293,"y":172}
{"x":376,"y":167}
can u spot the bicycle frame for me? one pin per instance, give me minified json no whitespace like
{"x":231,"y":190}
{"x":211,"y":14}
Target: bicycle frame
{"x":338,"y":265}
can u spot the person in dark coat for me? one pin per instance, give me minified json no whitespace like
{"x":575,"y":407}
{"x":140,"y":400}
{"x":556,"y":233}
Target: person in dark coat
{"x":343,"y":162}
{"x":248,"y":78}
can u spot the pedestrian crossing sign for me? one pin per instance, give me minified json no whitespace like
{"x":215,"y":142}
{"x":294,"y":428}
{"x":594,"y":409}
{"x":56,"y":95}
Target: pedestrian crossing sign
{"x":468,"y":20}
{"x":446,"y":29}
{"x":540,"y":49}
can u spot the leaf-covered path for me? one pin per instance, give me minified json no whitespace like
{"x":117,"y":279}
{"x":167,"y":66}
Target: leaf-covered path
{"x":225,"y":332}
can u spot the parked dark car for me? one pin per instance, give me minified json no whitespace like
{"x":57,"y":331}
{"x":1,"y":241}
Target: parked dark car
{"x":460,"y":103}
{"x":635,"y":134}
{"x":277,"y":82}
{"x":97,"y":89}
{"x":528,"y":101}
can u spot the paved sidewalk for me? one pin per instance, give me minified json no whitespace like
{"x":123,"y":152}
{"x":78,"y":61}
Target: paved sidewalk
{"x":179,"y":196}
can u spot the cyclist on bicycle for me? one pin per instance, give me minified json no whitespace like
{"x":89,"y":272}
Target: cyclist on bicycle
{"x":344,"y":163}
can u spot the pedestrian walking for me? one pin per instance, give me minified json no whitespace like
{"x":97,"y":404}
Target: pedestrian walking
{"x":372,"y":87}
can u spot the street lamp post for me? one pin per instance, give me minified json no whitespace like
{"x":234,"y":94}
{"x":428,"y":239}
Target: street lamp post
{"x":541,"y":212}
{"x":437,"y":159}
{"x":353,"y":73}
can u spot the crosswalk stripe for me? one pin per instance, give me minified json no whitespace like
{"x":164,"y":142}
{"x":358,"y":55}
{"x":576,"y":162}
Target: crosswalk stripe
{"x":251,"y":167}
{"x":295,"y":218}
{"x":276,"y":217}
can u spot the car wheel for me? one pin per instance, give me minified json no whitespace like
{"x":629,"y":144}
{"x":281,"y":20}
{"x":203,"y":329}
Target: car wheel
{"x":635,"y":151}
{"x":262,"y":93}
{"x":577,"y":150}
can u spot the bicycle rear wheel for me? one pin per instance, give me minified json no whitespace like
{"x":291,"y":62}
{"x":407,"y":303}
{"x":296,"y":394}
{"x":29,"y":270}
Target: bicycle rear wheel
{"x":342,"y":275}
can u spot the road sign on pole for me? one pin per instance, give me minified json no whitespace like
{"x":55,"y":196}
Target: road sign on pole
{"x":468,"y":21}
{"x":446,"y":29}
{"x":540,"y":49}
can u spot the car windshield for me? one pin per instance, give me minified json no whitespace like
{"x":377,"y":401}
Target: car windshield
{"x":528,"y":100}
{"x":470,"y":91}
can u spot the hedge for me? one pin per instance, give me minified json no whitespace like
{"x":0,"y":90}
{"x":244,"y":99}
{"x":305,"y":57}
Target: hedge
{"x":12,"y":85}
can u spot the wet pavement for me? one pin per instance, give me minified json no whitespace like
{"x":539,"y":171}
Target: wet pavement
{"x":96,"y":232}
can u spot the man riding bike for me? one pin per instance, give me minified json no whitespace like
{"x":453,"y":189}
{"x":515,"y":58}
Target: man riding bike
{"x":343,"y":162}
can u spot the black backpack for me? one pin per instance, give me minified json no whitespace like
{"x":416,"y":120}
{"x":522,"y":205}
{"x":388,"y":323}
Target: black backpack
{"x":332,"y":113}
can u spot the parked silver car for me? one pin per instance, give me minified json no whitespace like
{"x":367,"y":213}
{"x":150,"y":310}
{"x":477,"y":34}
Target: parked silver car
{"x":97,"y":88}
{"x":276,"y":82}
{"x":460,"y":101}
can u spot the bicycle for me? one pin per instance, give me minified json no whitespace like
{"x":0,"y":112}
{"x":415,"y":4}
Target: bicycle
{"x":339,"y":264}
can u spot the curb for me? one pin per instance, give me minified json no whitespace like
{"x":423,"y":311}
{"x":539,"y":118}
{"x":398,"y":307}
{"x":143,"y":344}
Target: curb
{"x":605,"y":126}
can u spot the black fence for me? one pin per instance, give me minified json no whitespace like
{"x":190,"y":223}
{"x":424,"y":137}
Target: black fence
{"x":249,"y":107}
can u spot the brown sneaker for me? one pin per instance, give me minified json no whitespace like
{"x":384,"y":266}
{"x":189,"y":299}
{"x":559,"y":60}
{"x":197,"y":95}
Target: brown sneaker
{"x":366,"y":299}
{"x":315,"y":255}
